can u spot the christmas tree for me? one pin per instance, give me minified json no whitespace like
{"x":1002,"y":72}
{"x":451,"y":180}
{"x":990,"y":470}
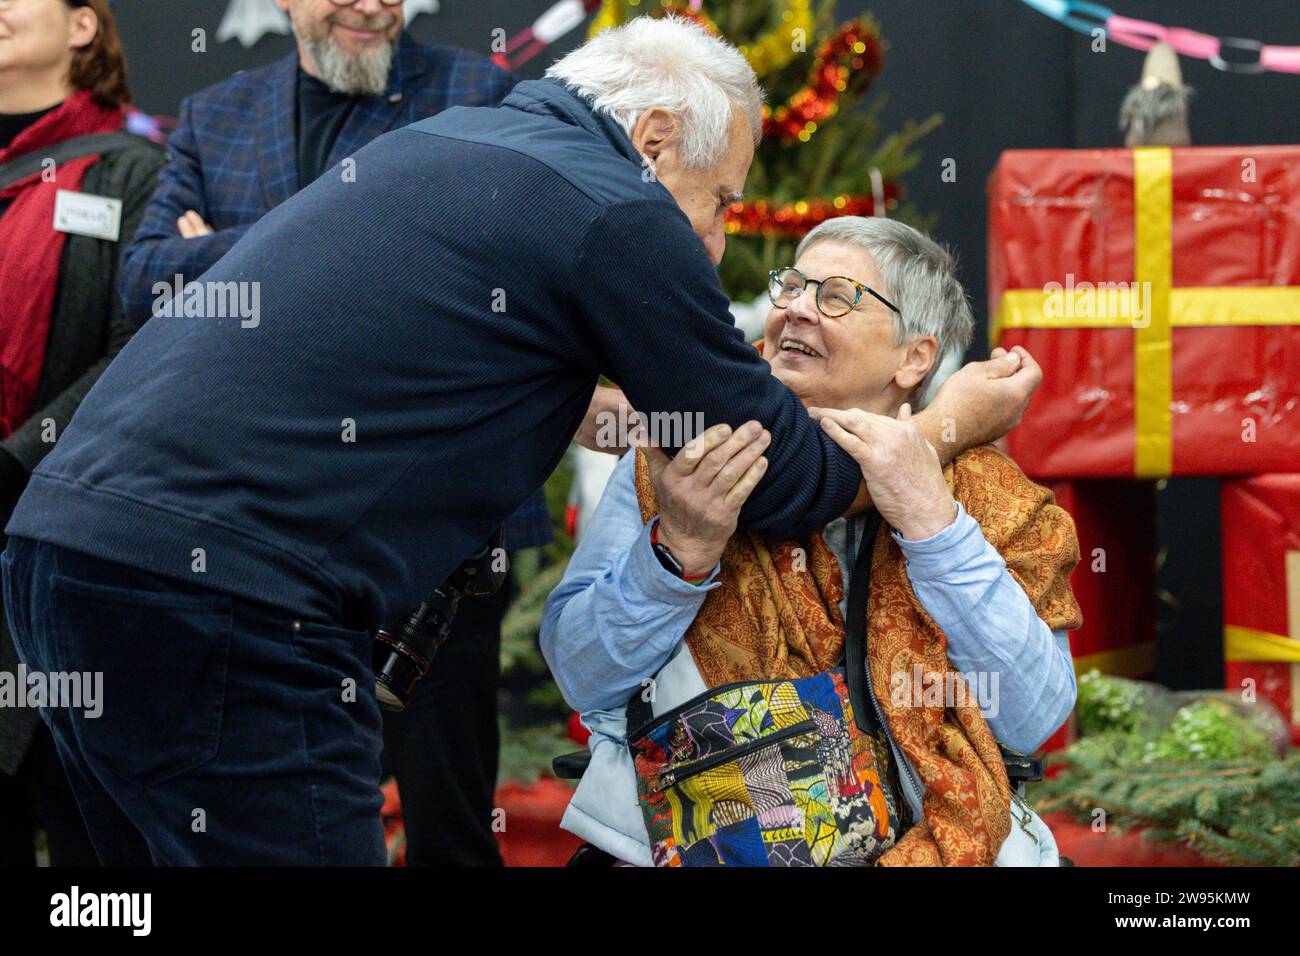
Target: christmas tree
{"x":821,"y":156}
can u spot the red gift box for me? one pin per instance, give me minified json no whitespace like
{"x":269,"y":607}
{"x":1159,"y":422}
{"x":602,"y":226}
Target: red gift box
{"x":1261,"y":589}
{"x":1114,"y":581}
{"x":1160,"y":291}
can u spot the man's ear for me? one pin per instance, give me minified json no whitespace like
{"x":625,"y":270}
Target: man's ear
{"x":83,"y":28}
{"x":921,"y":355}
{"x":654,"y":133}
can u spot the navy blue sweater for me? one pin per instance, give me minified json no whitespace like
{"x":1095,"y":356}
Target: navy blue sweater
{"x":450,"y":310}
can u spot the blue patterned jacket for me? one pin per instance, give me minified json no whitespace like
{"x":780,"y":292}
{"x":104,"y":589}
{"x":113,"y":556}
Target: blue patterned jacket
{"x":234,"y":157}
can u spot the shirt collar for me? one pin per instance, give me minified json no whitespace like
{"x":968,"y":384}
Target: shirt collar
{"x":552,"y":98}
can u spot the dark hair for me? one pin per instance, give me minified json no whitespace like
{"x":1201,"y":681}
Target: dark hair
{"x":100,"y":66}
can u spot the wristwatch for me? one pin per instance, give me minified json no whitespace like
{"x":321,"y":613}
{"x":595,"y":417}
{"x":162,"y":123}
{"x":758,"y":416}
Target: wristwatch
{"x":669,"y":561}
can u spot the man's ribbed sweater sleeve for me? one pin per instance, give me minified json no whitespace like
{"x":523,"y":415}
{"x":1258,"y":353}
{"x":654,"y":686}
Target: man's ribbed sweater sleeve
{"x":656,"y":309}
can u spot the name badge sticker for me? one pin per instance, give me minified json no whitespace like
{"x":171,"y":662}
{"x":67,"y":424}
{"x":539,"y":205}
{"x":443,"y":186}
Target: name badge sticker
{"x":85,"y":214}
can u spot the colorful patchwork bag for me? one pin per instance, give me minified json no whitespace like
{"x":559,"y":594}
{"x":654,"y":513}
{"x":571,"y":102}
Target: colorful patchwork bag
{"x":771,"y":773}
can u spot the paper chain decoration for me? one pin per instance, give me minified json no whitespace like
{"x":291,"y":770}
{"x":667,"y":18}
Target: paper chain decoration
{"x":249,"y":20}
{"x":558,"y":20}
{"x":1084,"y":17}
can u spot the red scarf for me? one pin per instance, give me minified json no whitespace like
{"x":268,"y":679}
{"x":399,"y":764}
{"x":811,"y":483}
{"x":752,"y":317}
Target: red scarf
{"x":31,"y":248}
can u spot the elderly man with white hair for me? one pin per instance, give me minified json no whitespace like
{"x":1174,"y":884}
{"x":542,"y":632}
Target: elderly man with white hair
{"x":243,"y":499}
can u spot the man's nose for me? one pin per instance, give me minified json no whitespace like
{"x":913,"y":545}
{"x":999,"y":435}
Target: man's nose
{"x":715,"y":244}
{"x":370,"y":8}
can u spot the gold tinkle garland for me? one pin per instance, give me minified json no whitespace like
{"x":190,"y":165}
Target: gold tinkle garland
{"x":794,"y":220}
{"x":769,"y":52}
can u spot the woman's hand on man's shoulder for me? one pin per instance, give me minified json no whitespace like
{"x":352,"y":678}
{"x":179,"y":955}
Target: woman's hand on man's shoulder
{"x":899,"y":465}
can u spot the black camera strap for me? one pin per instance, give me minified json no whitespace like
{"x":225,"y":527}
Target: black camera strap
{"x":855,"y":626}
{"x":1021,"y":768}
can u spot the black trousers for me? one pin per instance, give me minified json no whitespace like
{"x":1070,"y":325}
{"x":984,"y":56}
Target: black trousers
{"x":443,"y":749}
{"x":210,"y":702}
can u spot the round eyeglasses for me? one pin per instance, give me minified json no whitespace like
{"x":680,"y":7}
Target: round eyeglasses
{"x":350,"y":3}
{"x":836,"y":295}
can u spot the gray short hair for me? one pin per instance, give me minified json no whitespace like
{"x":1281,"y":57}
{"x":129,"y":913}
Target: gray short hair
{"x":672,"y":63}
{"x":920,"y":278}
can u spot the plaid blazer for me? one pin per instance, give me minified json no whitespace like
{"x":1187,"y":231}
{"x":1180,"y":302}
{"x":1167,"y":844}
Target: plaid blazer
{"x":234,"y":157}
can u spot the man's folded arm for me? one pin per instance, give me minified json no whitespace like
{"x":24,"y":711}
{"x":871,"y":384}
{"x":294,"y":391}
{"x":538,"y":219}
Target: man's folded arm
{"x":660,"y":318}
{"x":157,"y":252}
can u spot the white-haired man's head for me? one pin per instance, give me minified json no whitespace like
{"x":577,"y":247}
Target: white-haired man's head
{"x":688,"y":101}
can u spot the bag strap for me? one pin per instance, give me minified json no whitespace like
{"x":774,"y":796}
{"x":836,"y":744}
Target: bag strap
{"x":1021,"y":768}
{"x":28,"y":164}
{"x":640,"y":712}
{"x":855,"y":628}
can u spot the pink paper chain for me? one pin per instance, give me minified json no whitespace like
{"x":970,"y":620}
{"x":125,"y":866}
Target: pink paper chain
{"x":1142,"y":35}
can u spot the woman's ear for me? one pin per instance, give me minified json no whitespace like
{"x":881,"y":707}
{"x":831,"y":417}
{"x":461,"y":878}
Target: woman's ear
{"x":82,"y":28}
{"x":919,"y":358}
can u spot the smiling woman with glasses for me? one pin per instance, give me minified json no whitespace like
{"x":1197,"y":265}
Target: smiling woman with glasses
{"x":859,"y":271}
{"x":858,"y":325}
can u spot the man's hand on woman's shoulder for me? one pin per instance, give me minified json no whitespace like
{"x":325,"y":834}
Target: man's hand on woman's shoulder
{"x":701,"y":491}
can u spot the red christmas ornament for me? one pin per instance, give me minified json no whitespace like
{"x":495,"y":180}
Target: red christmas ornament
{"x":852,"y":55}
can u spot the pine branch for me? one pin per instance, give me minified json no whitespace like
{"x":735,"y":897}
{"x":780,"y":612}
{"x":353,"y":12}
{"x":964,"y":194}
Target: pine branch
{"x":523,"y":621}
{"x":1242,"y":811}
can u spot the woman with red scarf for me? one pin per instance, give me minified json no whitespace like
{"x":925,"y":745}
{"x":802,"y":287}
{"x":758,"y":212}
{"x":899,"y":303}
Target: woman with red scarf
{"x":63,"y":225}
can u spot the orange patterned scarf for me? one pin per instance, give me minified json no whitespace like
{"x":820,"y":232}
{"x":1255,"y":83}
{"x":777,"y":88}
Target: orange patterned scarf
{"x":776,"y":615}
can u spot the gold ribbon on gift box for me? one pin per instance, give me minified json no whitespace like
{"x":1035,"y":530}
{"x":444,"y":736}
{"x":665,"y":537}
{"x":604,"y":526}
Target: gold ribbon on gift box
{"x":1135,"y":660}
{"x":1099,"y":307}
{"x":1248,"y":644}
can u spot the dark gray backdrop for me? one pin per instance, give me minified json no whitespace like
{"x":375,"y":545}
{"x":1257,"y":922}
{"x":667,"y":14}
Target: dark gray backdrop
{"x":1004,"y":77}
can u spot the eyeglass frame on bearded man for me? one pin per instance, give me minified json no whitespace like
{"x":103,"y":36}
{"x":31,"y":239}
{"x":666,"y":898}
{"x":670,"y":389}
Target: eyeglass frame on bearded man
{"x":776,"y":287}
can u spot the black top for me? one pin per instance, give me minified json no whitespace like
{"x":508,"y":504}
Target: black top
{"x":321,"y":114}
{"x":87,"y":328}
{"x":11,"y":124}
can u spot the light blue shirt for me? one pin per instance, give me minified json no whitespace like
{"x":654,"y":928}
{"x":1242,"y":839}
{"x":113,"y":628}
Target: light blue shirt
{"x":618,"y":616}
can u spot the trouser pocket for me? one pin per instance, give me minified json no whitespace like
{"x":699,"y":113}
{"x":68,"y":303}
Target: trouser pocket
{"x":159,"y":657}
